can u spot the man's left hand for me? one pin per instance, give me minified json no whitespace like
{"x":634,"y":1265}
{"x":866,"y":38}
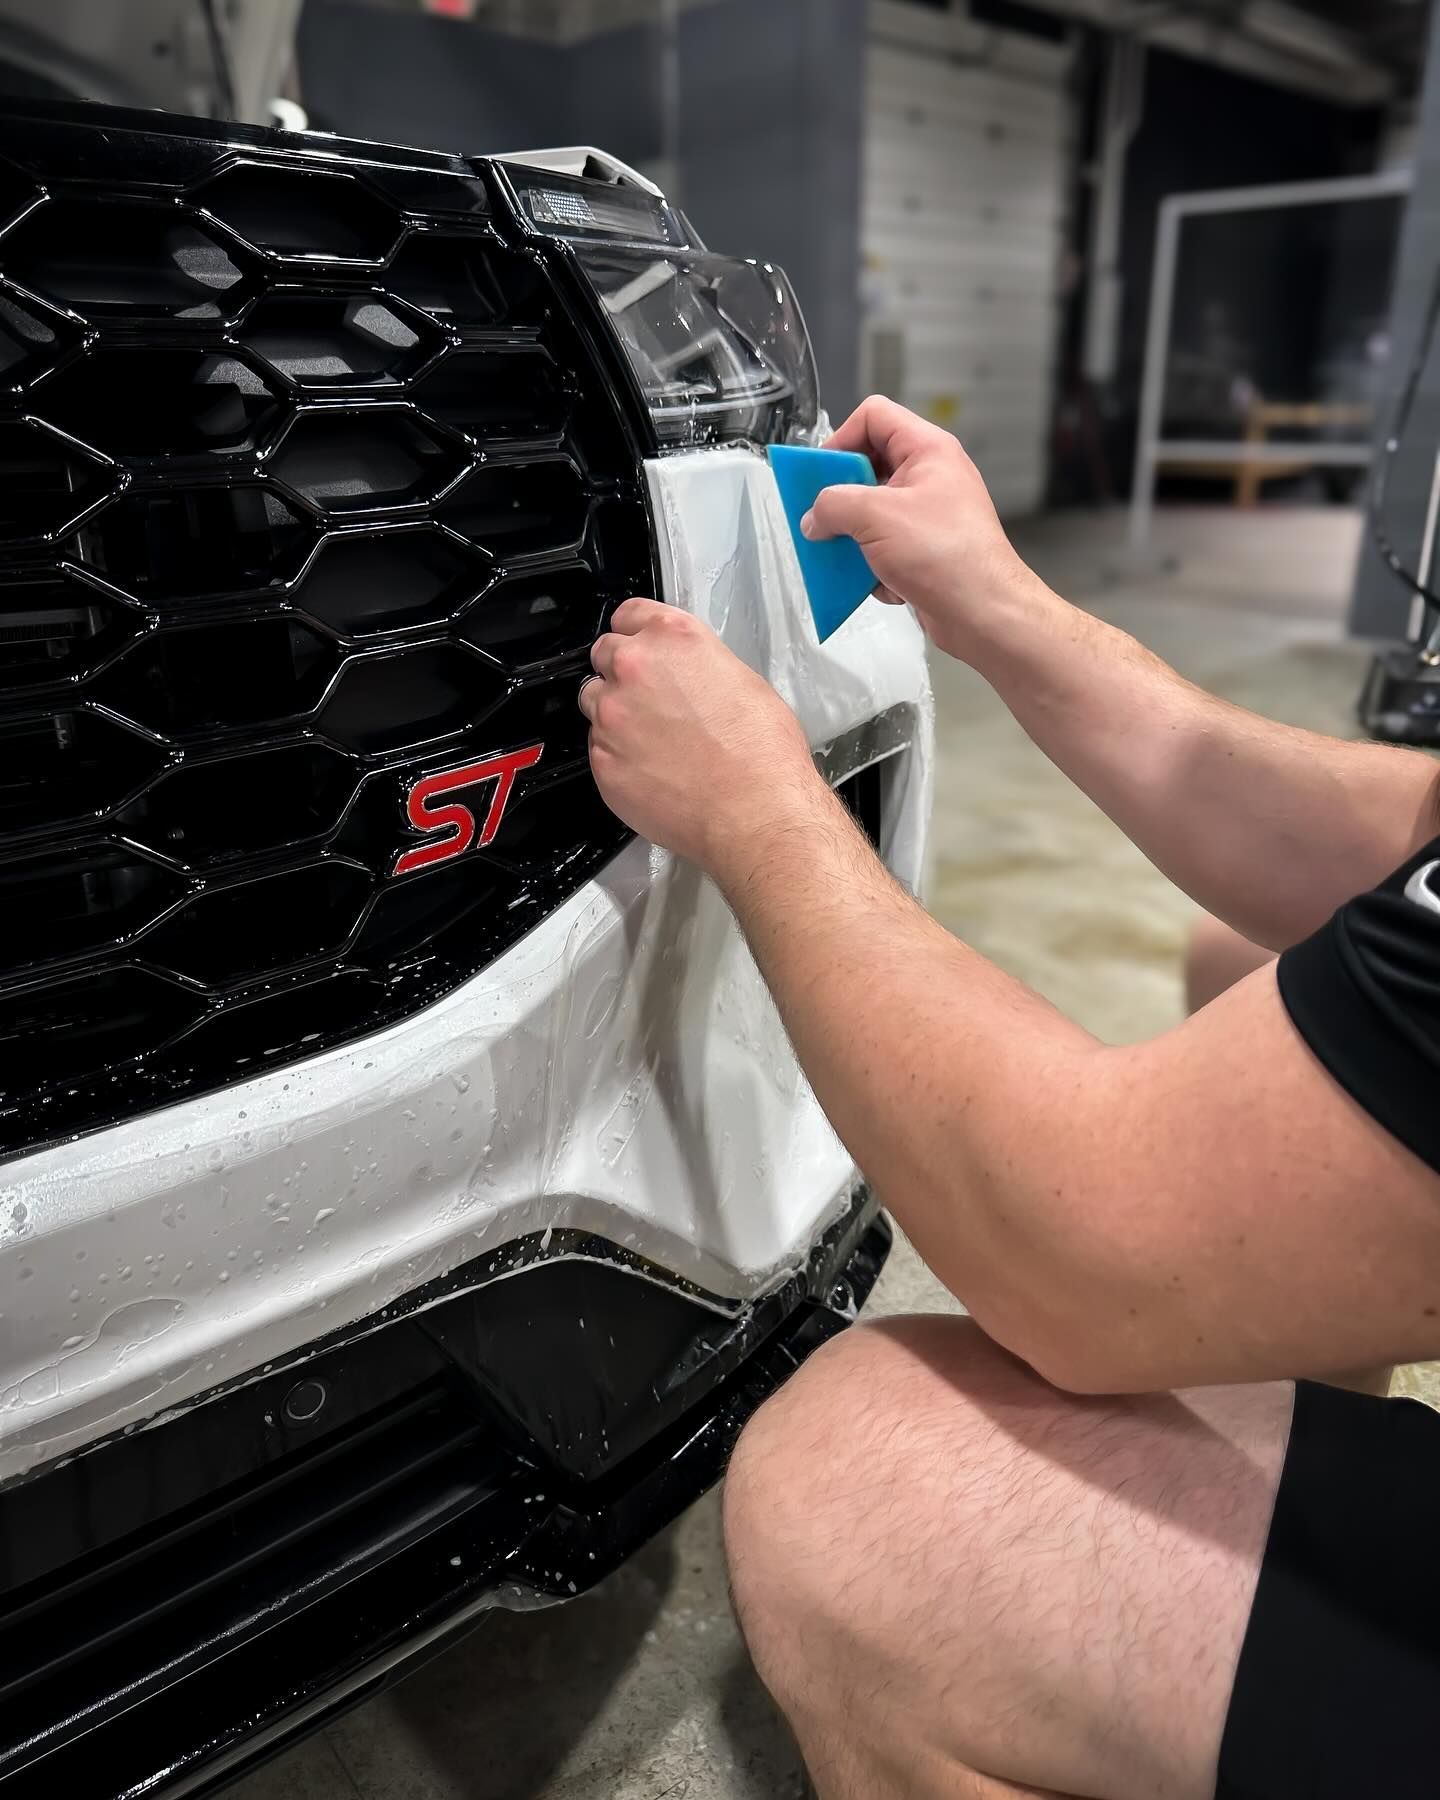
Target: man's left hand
{"x":687,"y":744}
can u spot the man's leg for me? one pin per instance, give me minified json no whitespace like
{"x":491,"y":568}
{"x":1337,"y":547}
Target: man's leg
{"x":958,"y":1581}
{"x":1215,"y":959}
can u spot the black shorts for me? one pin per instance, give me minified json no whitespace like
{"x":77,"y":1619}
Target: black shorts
{"x":1337,"y":1696}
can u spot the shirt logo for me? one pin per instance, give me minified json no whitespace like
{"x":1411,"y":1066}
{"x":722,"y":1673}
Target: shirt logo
{"x":1420,"y":888}
{"x":455,"y":819}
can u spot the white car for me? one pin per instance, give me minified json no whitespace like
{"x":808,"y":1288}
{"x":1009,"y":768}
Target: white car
{"x":408,"y":1187}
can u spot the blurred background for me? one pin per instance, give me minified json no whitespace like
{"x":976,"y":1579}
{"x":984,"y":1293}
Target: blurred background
{"x":966,"y":193}
{"x":1165,"y":266}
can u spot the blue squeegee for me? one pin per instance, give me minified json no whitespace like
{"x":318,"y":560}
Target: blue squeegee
{"x":837,"y":577}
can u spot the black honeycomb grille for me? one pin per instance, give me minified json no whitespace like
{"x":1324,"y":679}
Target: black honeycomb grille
{"x":314,"y":481}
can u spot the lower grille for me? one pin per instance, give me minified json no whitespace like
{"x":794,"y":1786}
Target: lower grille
{"x":315,"y":486}
{"x":174,"y":1603}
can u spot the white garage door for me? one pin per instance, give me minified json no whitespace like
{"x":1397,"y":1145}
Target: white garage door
{"x":965,"y":192}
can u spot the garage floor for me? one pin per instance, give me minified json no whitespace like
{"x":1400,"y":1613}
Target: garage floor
{"x":642,"y":1691}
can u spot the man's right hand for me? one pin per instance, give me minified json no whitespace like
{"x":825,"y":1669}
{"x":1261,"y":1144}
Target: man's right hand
{"x":930,"y":532}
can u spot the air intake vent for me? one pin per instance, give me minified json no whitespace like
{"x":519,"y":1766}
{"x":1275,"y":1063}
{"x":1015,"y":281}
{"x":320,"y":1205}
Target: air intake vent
{"x":313,"y":486}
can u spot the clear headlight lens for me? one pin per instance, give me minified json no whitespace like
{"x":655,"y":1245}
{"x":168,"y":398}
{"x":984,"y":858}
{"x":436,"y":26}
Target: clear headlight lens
{"x":719,"y":345}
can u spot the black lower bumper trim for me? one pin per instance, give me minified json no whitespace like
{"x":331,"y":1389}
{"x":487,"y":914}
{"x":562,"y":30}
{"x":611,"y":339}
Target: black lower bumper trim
{"x":167,"y":1663}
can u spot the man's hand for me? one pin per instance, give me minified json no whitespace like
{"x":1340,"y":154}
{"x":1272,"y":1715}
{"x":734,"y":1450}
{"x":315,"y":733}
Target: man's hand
{"x":1267,"y":827}
{"x":931,"y":532}
{"x":690,"y":747}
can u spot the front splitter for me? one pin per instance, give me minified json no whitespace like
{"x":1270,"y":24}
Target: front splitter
{"x":317,"y":1587}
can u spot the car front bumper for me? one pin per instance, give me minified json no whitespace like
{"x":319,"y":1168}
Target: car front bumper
{"x":336,"y":1520}
{"x":620,"y":1072}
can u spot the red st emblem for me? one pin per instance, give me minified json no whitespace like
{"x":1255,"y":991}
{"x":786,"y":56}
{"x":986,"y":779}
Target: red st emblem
{"x":455,"y":819}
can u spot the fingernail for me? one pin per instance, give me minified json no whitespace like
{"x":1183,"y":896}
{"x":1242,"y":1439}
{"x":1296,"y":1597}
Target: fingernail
{"x":807,"y":525}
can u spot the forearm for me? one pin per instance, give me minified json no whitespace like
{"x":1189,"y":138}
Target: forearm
{"x":927,"y":1059}
{"x":1114,"y":1216}
{"x":1269,"y":827}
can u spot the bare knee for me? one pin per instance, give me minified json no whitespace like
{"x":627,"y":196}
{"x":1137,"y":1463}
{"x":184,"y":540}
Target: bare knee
{"x":840,"y":1471}
{"x":933,"y":1549}
{"x":1215,"y":959}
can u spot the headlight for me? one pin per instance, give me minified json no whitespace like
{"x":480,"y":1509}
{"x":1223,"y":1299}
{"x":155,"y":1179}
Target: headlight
{"x":720,"y":346}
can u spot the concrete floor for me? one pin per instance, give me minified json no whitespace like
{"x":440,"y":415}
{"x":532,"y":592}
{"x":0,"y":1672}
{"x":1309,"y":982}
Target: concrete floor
{"x":642,"y":1691}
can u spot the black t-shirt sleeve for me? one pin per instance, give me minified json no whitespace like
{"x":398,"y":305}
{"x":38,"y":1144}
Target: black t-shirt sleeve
{"x":1364,"y":993}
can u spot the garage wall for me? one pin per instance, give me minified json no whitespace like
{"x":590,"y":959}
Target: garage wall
{"x":768,"y":156}
{"x":968,"y":147}
{"x":1382,"y":605}
{"x":409,"y":78}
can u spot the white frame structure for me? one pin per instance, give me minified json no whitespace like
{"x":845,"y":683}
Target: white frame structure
{"x":1153,"y":447}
